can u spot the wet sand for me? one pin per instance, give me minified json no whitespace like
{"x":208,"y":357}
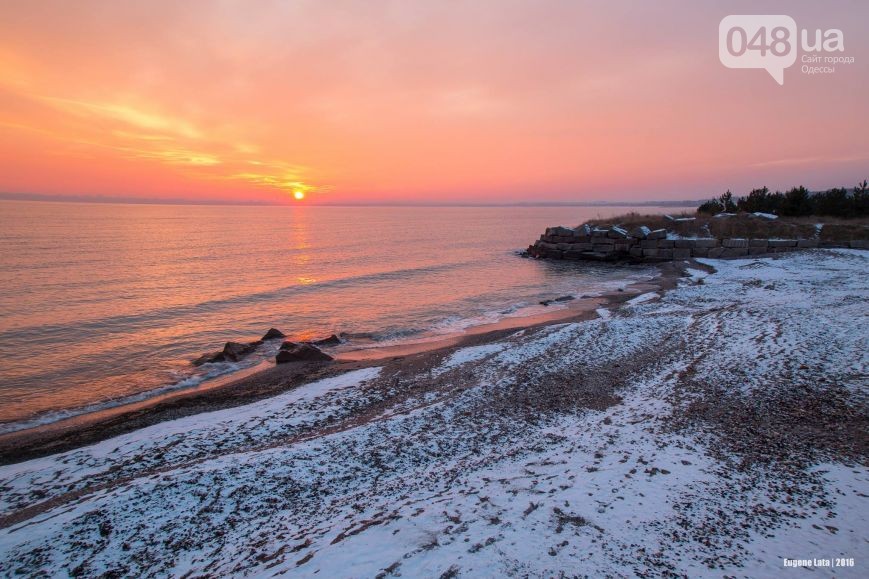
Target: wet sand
{"x":267,"y":380}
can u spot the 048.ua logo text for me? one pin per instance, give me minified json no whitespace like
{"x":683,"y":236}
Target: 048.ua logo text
{"x":770,"y":42}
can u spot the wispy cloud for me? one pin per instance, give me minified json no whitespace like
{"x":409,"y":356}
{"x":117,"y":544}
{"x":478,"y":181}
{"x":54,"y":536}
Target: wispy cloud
{"x":133,"y":116}
{"x":140,"y":133}
{"x":817,"y":160}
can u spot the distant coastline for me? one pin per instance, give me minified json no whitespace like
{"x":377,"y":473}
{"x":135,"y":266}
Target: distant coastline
{"x":151,"y":201}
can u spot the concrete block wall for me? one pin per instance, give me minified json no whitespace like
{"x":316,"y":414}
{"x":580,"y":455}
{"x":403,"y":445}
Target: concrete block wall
{"x":641,"y":244}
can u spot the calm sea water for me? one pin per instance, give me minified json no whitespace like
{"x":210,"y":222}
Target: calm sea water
{"x":103,"y":304}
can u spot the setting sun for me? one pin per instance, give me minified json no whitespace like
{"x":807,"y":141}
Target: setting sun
{"x":298,"y":195}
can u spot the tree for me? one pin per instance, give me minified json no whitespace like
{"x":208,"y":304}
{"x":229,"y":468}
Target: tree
{"x":797,"y":202}
{"x":710,"y":207}
{"x":726,"y":201}
{"x":860,"y":200}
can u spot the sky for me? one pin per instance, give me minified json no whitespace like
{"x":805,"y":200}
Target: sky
{"x":404,"y":101}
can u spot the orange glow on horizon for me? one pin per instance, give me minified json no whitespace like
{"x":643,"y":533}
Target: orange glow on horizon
{"x":412,"y":101}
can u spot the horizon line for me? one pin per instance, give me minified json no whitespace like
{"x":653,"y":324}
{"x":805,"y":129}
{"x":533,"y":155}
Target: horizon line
{"x":98,"y":199}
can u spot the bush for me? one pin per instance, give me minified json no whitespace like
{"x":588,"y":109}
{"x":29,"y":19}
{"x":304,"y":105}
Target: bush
{"x":711,"y":207}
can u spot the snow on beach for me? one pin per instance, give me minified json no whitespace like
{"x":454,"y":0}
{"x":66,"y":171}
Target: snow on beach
{"x":715,"y":429}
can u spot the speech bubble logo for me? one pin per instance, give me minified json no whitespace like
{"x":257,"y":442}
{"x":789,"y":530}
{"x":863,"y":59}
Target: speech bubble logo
{"x":758,"y":41}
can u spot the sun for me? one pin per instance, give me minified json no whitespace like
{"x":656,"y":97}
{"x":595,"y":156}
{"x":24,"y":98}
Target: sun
{"x":299,"y":195}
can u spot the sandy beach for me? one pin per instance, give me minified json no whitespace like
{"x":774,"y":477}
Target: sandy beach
{"x":715,"y":428}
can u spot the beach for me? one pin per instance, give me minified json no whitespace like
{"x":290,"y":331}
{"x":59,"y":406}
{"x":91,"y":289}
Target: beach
{"x":712,"y":425}
{"x":108,"y":305}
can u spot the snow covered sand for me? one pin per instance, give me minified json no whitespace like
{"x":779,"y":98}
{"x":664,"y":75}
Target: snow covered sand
{"x":716,"y":429}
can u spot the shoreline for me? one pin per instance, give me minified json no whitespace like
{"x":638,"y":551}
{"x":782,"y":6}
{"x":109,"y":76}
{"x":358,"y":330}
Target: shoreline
{"x":266,"y":380}
{"x":731,"y":405}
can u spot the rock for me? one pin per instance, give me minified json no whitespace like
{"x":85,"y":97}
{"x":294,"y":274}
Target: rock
{"x":293,"y":352}
{"x":332,"y":340}
{"x":640,"y":232}
{"x":232,"y":352}
{"x":557,"y":300}
{"x":583,"y":231}
{"x":657,"y":234}
{"x":208,"y":358}
{"x":235,"y":351}
{"x":273,"y":334}
{"x":616,"y":232}
{"x":563,"y":231}
{"x":767,"y":216}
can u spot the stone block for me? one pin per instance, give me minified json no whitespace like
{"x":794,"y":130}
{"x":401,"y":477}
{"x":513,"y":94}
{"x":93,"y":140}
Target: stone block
{"x":649,"y":244}
{"x":640,"y":232}
{"x":622,"y":247}
{"x":665,"y":253}
{"x":782,"y":242}
{"x":758,"y":243}
{"x":684,"y":243}
{"x":682,"y":253}
{"x":757,"y":250}
{"x":573,"y":254}
{"x":603,"y":247}
{"x":735,"y":252}
{"x":716,"y":252}
{"x":617,"y":233}
{"x":636,"y":251}
{"x":657,"y":234}
{"x":666,"y":243}
{"x":734,"y":243}
{"x":807,"y":243}
{"x":700,"y":252}
{"x":707,"y":243}
{"x":859,"y":244}
{"x":650,"y":253}
{"x":566,"y":231}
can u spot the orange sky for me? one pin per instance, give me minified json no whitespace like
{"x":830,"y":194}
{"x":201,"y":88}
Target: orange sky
{"x":439,"y":101}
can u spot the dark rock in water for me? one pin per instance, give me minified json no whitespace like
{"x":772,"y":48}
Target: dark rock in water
{"x":232,"y":352}
{"x":557,"y":300}
{"x":332,"y":340}
{"x":208,"y":358}
{"x":235,"y":351}
{"x":293,"y":352}
{"x":273,"y":334}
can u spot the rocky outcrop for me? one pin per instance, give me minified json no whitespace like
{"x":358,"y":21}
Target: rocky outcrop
{"x":232,"y":352}
{"x":273,"y":334}
{"x":332,"y":340}
{"x":300,"y":352}
{"x":642,"y":244}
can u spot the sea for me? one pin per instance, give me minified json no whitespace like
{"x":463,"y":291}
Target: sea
{"x":106,"y":304}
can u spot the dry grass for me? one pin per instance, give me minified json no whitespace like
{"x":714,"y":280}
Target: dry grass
{"x":746,"y":226}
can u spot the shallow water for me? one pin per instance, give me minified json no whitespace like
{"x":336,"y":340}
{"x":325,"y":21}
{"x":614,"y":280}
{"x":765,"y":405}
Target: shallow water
{"x":105,"y":303}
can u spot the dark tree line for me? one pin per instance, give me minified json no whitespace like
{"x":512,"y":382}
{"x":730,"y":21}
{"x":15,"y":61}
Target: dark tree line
{"x":797,"y":202}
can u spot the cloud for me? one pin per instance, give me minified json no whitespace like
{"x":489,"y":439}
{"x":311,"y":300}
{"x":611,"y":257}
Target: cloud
{"x":129,"y":115}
